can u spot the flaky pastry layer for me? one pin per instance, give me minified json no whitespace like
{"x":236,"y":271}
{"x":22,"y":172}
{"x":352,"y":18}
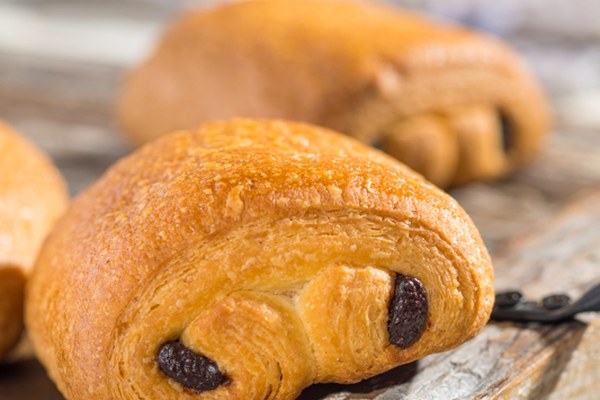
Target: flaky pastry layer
{"x":32,"y":197}
{"x":453,"y":104}
{"x":269,"y":248}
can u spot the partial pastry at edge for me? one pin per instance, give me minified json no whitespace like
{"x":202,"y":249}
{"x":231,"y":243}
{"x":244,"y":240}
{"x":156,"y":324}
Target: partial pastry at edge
{"x":453,"y":104}
{"x":247,"y":260}
{"x":32,"y":196}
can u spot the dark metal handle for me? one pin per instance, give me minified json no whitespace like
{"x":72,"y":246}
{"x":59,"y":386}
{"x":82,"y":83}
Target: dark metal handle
{"x":554,"y":308}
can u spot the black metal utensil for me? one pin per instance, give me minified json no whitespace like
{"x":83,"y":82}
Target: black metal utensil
{"x":554,"y":308}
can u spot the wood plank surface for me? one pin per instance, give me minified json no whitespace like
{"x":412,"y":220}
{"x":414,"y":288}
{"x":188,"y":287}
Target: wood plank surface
{"x":61,"y":93}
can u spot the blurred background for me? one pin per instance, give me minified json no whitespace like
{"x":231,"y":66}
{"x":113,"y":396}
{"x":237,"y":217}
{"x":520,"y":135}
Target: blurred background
{"x":61,"y":63}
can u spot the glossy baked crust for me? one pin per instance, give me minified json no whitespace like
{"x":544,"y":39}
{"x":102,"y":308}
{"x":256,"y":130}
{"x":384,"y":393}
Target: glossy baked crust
{"x":269,"y":247}
{"x":32,"y":196}
{"x":453,"y":104}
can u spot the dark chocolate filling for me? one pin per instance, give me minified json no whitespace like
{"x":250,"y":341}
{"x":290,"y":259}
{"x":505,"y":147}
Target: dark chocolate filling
{"x":188,"y":368}
{"x":508,"y":132}
{"x":408,"y":311}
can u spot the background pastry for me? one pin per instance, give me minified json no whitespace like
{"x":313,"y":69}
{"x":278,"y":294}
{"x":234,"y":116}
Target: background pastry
{"x":453,"y":104}
{"x":249,"y":259}
{"x":32,"y":196}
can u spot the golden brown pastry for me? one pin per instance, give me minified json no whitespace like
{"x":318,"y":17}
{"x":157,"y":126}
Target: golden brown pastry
{"x":453,"y":104}
{"x":248,"y":260}
{"x":32,"y":196}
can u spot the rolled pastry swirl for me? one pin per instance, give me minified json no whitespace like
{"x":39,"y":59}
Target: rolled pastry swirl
{"x":248,"y":260}
{"x":453,"y":104}
{"x":32,"y":196}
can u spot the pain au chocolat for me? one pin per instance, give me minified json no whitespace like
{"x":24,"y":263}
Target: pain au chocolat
{"x":453,"y":104}
{"x":32,"y":196}
{"x":249,"y":259}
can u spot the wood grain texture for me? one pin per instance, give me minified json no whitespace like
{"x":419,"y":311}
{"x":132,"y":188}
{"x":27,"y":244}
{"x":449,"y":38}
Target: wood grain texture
{"x":66,"y":108}
{"x":579,"y":380}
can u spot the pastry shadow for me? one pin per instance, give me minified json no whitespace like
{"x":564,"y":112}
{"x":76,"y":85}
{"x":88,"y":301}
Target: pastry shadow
{"x":26,"y":379}
{"x":373,"y":386}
